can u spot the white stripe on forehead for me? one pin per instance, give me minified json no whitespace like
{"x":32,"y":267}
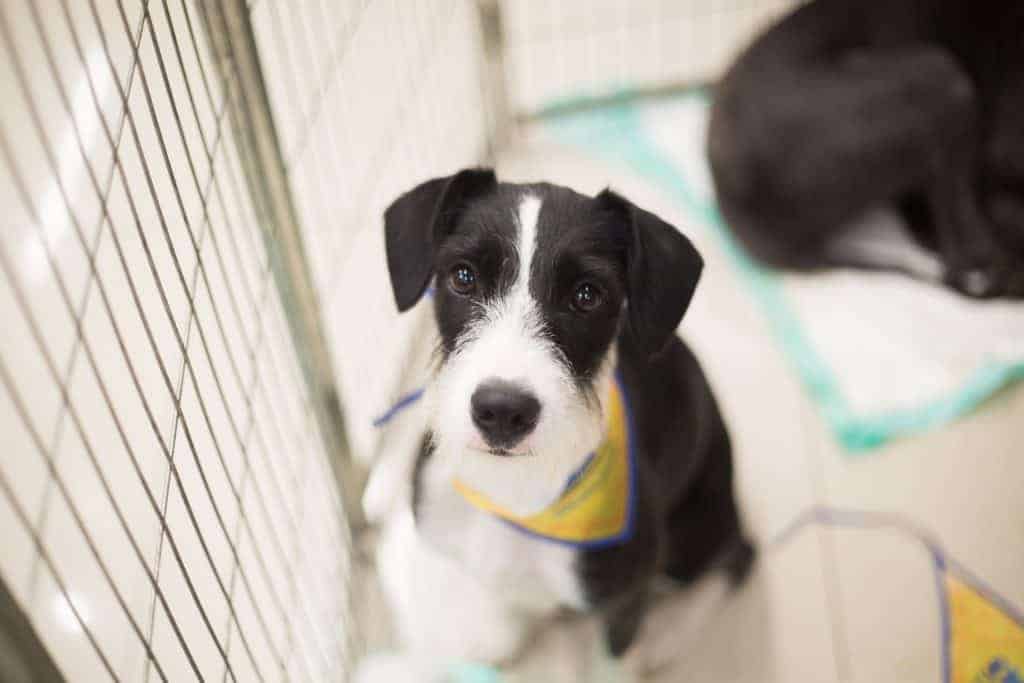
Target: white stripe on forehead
{"x":508,"y":342}
{"x":529,"y":210}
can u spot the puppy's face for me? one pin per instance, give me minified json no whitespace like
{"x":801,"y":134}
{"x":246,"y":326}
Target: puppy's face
{"x":529,"y":290}
{"x":531,"y":284}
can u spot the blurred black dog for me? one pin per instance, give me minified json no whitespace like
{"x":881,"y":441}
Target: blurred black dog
{"x":846,"y":105}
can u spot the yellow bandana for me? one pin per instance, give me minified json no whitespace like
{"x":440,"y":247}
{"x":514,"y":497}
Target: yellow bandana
{"x":596,"y":508}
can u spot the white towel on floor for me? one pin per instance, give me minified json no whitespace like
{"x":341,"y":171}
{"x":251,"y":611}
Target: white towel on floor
{"x":901,"y":354}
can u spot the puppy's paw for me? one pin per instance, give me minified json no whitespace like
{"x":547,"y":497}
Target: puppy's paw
{"x":739,"y":562}
{"x":494,"y":640}
{"x":674,"y":624}
{"x":388,"y":667}
{"x":395,"y":667}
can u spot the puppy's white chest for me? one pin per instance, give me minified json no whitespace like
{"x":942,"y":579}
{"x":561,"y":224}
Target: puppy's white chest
{"x":527,"y":572}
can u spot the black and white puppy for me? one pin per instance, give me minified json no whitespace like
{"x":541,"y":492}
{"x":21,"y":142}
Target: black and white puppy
{"x":541,"y":297}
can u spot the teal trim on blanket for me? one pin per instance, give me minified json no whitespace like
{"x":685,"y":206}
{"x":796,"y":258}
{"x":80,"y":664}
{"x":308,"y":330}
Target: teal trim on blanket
{"x":474,"y":673}
{"x":616,"y":133}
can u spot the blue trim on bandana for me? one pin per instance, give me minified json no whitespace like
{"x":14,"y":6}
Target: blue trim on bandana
{"x":403,"y":403}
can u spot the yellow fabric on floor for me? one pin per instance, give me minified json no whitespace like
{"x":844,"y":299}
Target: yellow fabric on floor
{"x":985,"y":643}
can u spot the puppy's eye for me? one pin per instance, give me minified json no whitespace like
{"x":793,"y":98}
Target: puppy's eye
{"x":587,"y":297}
{"x":463,"y":279}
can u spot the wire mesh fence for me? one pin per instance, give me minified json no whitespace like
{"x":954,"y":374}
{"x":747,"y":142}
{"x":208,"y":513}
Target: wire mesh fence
{"x":166,"y":503}
{"x":369,"y":98}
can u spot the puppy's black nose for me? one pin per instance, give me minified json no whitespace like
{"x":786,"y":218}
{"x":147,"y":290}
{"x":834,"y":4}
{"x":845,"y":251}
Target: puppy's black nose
{"x":503,"y":412}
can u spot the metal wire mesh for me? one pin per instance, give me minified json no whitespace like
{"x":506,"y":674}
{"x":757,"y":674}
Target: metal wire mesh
{"x":369,"y":98}
{"x":166,"y":504}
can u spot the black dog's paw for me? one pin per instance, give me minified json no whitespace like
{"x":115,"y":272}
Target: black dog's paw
{"x":977,"y":283}
{"x":619,"y":637}
{"x":622,"y":624}
{"x":988,"y":282}
{"x":1015,"y":283}
{"x":739,"y":562}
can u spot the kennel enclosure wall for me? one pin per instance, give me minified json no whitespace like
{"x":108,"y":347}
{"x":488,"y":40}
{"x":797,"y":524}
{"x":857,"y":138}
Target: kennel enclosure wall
{"x":168,"y":507}
{"x":191,"y":277}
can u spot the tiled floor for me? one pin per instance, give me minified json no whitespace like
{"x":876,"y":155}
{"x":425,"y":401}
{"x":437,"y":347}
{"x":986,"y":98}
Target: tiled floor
{"x":830,"y":603}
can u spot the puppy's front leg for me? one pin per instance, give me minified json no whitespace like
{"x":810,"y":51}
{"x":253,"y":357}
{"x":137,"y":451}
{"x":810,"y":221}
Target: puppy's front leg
{"x":623,"y":620}
{"x":444,"y":614}
{"x":674,"y":623}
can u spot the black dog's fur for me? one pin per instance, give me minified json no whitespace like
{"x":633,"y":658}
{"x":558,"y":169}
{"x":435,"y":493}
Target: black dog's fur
{"x":687,"y":522}
{"x":848,"y":104}
{"x":686,"y":518}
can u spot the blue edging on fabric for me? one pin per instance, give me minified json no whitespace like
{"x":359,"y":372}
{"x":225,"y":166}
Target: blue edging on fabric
{"x":575,"y":476}
{"x":857,"y":433}
{"x":403,"y":403}
{"x":942,"y":563}
{"x":1011,"y":610}
{"x":939,"y":565}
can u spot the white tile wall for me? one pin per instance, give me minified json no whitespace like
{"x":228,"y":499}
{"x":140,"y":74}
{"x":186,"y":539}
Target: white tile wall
{"x":568,"y":48}
{"x":203,"y":479}
{"x":369,"y":98}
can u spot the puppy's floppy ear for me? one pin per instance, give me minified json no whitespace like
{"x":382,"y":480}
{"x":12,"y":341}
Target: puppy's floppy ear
{"x":417,"y":222}
{"x":662,"y":270}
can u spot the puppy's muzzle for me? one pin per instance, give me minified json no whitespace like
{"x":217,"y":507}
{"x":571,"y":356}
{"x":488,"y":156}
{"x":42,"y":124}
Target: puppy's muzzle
{"x":504,"y":413}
